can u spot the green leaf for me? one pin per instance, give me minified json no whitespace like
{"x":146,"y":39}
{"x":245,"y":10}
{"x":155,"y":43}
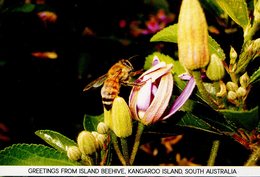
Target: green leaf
{"x":242,"y":119}
{"x":255,"y":76}
{"x":169,"y":34}
{"x":25,"y":8}
{"x":90,"y":122}
{"x":56,"y":140}
{"x":212,"y":7}
{"x":192,"y":121}
{"x":33,"y":154}
{"x":214,"y":48}
{"x":237,"y":10}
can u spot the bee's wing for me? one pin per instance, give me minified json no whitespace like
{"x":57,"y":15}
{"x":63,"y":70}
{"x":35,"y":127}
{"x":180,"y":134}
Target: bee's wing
{"x":96,"y":83}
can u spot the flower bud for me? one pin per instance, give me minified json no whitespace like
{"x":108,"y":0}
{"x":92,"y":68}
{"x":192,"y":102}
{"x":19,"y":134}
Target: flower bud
{"x":232,"y":96}
{"x":118,"y":118}
{"x":121,"y":118}
{"x":241,"y":92}
{"x":87,"y":143}
{"x":250,"y":52}
{"x":95,"y":134}
{"x":101,"y":139}
{"x":73,"y":153}
{"x":192,"y":36}
{"x":102,"y":128}
{"x":231,"y":86}
{"x":108,"y":118}
{"x":244,"y":80}
{"x":215,"y":70}
{"x":232,"y":55}
{"x":86,"y":160}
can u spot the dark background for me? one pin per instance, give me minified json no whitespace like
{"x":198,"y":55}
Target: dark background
{"x":47,"y":94}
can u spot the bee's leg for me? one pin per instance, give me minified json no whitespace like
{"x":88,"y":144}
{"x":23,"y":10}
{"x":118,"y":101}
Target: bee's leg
{"x":136,"y":84}
{"x":136,"y":72}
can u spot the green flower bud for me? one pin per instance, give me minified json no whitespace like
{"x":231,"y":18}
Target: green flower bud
{"x":100,"y":139}
{"x":244,"y":80}
{"x":87,"y":143}
{"x":108,"y":117}
{"x":215,"y":70}
{"x":121,"y":118}
{"x":95,"y":134}
{"x":86,"y":160}
{"x":241,"y":92}
{"x":192,"y":36}
{"x":250,"y":52}
{"x":232,"y":96}
{"x":231,"y":86}
{"x":102,"y":128}
{"x":232,"y":55}
{"x":73,"y":153}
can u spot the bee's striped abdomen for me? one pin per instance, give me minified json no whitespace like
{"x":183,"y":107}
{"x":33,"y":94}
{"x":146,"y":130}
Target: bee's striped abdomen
{"x":109,"y":92}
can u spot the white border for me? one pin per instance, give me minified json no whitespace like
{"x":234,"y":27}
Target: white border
{"x":129,"y":171}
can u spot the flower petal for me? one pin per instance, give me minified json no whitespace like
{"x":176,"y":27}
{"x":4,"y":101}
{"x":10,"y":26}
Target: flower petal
{"x":179,"y":102}
{"x":160,"y":101}
{"x":156,"y":73}
{"x":144,"y":96}
{"x":185,"y":76}
{"x":154,"y":68}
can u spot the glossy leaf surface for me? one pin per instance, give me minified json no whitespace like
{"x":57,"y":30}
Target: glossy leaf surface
{"x":242,"y":119}
{"x":33,"y":154}
{"x":90,"y":122}
{"x":55,"y":139}
{"x":237,"y":10}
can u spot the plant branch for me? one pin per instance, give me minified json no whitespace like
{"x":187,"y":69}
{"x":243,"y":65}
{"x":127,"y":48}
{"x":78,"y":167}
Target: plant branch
{"x":125,"y":150}
{"x":138,"y":135}
{"x":213,"y":153}
{"x":254,"y":157}
{"x":204,"y":93}
{"x":117,"y":149}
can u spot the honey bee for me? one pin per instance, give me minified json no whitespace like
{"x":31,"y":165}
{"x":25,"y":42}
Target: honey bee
{"x":119,"y":73}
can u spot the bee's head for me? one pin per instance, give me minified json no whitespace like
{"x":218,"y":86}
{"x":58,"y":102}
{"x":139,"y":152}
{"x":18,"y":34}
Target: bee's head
{"x":127,"y":64}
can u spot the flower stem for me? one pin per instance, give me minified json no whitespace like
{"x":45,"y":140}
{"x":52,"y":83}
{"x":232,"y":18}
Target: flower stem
{"x":138,"y":135}
{"x":104,"y":159}
{"x":204,"y":93}
{"x":125,"y":150}
{"x":213,"y":153}
{"x":254,"y":157}
{"x":117,"y":149}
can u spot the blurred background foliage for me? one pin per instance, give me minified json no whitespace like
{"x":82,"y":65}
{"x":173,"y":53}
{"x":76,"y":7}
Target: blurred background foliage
{"x":50,"y":49}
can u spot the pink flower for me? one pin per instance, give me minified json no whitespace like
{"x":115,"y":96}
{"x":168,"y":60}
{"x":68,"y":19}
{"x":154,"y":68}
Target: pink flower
{"x":149,"y":101}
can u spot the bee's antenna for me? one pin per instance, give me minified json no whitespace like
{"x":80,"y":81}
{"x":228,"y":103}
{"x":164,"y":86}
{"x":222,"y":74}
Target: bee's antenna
{"x":132,"y":57}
